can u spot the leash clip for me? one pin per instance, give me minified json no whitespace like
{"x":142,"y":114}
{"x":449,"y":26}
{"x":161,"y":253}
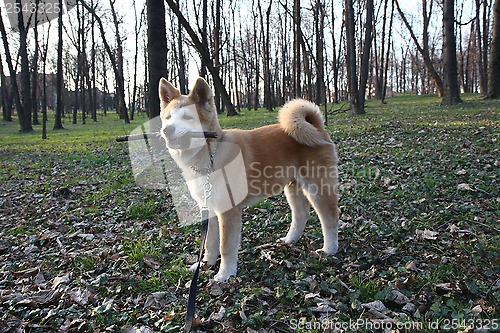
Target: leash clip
{"x":207,"y":192}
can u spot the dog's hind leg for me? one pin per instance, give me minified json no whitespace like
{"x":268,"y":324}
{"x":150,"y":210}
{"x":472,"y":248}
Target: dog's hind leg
{"x":325,"y":203}
{"x":300,"y":212}
{"x":230,"y":237}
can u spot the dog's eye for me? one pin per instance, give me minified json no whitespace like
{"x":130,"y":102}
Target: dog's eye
{"x":168,"y":117}
{"x":187,"y":117}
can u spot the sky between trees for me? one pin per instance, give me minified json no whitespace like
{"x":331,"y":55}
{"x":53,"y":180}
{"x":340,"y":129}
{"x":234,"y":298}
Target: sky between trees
{"x":253,"y":49}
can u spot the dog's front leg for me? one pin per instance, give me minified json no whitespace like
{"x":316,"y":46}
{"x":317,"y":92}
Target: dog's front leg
{"x":230,"y":237}
{"x":212,"y":244}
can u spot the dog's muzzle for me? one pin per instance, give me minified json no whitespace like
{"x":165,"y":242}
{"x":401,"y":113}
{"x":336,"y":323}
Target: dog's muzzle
{"x":176,"y":140}
{"x":168,"y":130}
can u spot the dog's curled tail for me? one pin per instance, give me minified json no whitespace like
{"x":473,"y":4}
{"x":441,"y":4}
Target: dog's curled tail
{"x":302,"y":120}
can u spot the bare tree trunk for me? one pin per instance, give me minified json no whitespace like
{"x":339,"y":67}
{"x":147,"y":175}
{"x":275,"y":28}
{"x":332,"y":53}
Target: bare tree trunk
{"x":246,"y":78}
{"x":386,"y":65}
{"x":6,"y":108}
{"x":204,"y":34}
{"x":486,"y":36}
{"x":147,"y":93}
{"x":120,"y":78}
{"x":137,"y":30}
{"x":320,"y":63}
{"x":380,"y":53}
{"x":494,"y":66}
{"x":157,"y":52}
{"x":105,"y":85}
{"x":83,"y":68}
{"x":183,"y":82}
{"x":352,"y":75}
{"x":297,"y":37}
{"x":44,"y":85}
{"x":268,"y":104}
{"x":462,"y":71}
{"x":285,"y":67}
{"x":479,"y":51}
{"x":59,"y":76}
{"x":12,"y":72}
{"x":306,"y":61}
{"x":235,"y":62}
{"x":77,"y":92}
{"x":34,"y":77}
{"x":24,"y":113}
{"x":451,"y":92}
{"x":76,"y":103}
{"x":216,"y":50}
{"x":365,"y":57}
{"x":92,"y":83}
{"x":335,"y":58}
{"x":256,"y":58}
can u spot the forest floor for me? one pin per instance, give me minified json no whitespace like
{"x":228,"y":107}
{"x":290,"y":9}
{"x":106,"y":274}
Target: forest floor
{"x":83,"y":248}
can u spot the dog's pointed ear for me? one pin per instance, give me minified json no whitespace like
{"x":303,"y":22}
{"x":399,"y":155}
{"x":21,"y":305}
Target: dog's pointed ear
{"x":201,"y":91}
{"x":167,"y":92}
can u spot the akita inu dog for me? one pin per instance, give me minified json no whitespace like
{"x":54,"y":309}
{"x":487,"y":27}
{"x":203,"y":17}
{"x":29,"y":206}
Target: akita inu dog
{"x":296,"y":156}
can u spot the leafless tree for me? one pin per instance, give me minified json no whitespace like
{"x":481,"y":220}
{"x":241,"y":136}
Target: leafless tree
{"x":115,"y":58}
{"x":266,"y":54}
{"x":6,"y":103}
{"x":481,"y":49}
{"x":319,"y":26}
{"x":424,"y":49}
{"x":24,"y":113}
{"x":12,"y":72}
{"x":34,"y":72}
{"x":494,"y":66}
{"x":119,"y":72}
{"x":205,"y":56}
{"x":44,"y":83}
{"x":92,"y":80}
{"x":59,"y":76}
{"x":297,"y":47}
{"x":351,"y":59}
{"x":451,"y":89}
{"x":383,"y":51}
{"x":157,"y":52}
{"x":138,"y":23}
{"x":357,"y":92}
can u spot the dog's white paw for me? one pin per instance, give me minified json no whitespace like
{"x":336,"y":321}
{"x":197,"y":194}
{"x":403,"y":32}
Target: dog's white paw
{"x":221,"y":278}
{"x":328,"y":250}
{"x":289,"y":240}
{"x":225,"y":273}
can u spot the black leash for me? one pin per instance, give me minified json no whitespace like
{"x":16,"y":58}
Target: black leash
{"x":191,"y":306}
{"x":205,"y":212}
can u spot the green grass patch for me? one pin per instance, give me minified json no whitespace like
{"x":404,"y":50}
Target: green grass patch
{"x":420,"y":208}
{"x":138,"y":248}
{"x":142,"y":210}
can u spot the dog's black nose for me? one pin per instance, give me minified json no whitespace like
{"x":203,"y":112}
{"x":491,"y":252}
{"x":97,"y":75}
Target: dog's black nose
{"x":169,"y":130}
